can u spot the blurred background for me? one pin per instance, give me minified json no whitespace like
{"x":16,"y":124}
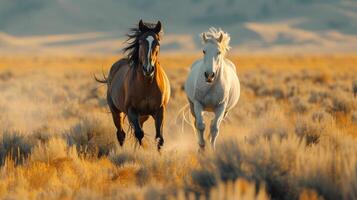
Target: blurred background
{"x":256,"y":26}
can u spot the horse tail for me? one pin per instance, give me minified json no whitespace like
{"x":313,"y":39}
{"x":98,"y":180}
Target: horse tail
{"x":104,"y":80}
{"x":184,"y":119}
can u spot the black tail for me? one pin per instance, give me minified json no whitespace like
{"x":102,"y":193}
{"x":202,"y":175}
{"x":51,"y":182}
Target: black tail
{"x":104,"y":80}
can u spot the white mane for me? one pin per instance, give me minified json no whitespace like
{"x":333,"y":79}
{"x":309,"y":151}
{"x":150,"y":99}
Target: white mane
{"x":213,"y":35}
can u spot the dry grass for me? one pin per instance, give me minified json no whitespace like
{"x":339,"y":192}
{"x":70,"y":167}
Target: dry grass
{"x":292,"y":135}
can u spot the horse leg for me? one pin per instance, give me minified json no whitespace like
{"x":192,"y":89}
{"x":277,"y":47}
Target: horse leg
{"x":143,"y":119}
{"x":197,"y":109}
{"x":159,"y":118}
{"x":219,"y":114}
{"x":118,"y":120}
{"x":135,"y":122}
{"x":120,"y":132}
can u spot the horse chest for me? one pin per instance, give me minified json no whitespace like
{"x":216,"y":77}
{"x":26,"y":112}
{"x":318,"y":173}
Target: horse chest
{"x":147,"y":103}
{"x":211,"y":101}
{"x":210,"y":97}
{"x":150,"y":102}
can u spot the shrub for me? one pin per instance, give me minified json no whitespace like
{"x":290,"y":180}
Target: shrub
{"x":313,"y":126}
{"x":343,"y":103}
{"x":204,"y":180}
{"x":299,"y":105}
{"x":272,"y":124}
{"x":239,"y":189}
{"x":325,"y":171}
{"x":92,"y":135}
{"x":265,"y":161}
{"x":122,"y":157}
{"x":354,"y":117}
{"x":354,"y":87}
{"x":229,"y":162}
{"x":15,"y":145}
{"x":262,"y":106}
{"x":317,"y":96}
{"x":54,"y":149}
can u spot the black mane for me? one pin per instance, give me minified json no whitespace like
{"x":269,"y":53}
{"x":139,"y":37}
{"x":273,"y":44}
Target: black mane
{"x":132,"y":50}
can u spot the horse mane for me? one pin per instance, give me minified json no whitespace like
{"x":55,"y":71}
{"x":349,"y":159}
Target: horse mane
{"x":213,"y":34}
{"x":132,"y":50}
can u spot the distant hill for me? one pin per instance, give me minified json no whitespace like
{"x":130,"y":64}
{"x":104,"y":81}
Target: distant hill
{"x":315,"y":25}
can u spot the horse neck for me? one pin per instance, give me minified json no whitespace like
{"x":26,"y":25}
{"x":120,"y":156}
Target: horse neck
{"x":221,"y":67}
{"x":158,"y":72}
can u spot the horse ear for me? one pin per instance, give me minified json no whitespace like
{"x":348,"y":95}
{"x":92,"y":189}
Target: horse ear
{"x":220,"y":38}
{"x":158,"y":27}
{"x":204,"y":37}
{"x":142,"y":26}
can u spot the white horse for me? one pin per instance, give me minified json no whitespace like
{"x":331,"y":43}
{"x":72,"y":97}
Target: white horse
{"x":212,"y":84}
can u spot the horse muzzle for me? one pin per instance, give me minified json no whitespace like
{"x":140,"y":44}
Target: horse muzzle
{"x":209,"y":77}
{"x":148,"y":72}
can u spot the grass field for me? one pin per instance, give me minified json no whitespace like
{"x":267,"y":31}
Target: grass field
{"x":291,"y":136}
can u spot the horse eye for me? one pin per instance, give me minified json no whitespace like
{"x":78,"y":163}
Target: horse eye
{"x":204,"y":52}
{"x":218,"y":52}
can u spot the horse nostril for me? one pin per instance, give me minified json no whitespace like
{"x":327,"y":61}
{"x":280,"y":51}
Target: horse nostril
{"x":209,"y":75}
{"x":148,"y":70}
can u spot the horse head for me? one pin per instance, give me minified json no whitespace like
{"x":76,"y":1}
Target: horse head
{"x":216,"y":44}
{"x":149,"y":47}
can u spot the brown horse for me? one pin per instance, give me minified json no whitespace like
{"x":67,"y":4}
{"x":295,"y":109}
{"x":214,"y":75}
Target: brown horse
{"x":137,"y":85}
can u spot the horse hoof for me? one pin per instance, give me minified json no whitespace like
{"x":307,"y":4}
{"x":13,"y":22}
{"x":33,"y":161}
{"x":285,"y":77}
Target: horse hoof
{"x":121,"y":137}
{"x":159,"y":148}
{"x":160,"y":143}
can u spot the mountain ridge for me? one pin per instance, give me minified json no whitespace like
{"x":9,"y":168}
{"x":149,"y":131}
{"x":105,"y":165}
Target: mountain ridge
{"x":297,"y":23}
